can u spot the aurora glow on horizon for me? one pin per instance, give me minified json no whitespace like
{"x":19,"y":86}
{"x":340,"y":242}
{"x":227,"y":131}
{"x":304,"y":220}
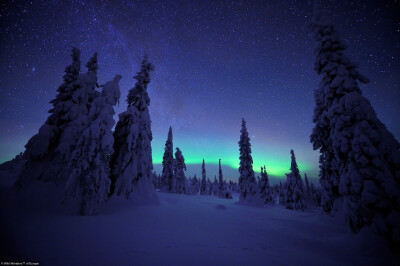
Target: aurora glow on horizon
{"x":215,"y":63}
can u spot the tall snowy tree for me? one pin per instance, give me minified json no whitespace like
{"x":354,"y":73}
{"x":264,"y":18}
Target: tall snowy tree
{"x":40,"y":152}
{"x":89,"y":179}
{"x":247,"y":180}
{"x":64,"y":92}
{"x":131,"y":163}
{"x":167,"y":176}
{"x":203,"y":185}
{"x":264,"y":189}
{"x":293,"y":188}
{"x":220,"y":179}
{"x":179,"y":169}
{"x":353,"y":142}
{"x":76,"y":107}
{"x":307,"y":189}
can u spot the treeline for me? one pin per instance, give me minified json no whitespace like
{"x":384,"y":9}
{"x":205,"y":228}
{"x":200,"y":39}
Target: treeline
{"x":76,"y":149}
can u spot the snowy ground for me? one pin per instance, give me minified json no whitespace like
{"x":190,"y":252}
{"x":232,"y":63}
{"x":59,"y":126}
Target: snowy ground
{"x":181,"y":230}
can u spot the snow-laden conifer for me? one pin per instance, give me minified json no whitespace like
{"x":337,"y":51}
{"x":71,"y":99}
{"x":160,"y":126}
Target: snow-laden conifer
{"x":40,"y":151}
{"x":167,"y":176}
{"x":264,"y":190}
{"x":131,"y":163}
{"x":179,"y":169}
{"x":215,"y":185}
{"x":78,"y":107}
{"x":194,"y":186}
{"x":355,"y":145}
{"x":293,"y":188}
{"x":247,"y":180}
{"x":220,"y":179}
{"x":307,"y":189}
{"x":89,"y":177}
{"x":209,"y":187}
{"x":203,"y":185}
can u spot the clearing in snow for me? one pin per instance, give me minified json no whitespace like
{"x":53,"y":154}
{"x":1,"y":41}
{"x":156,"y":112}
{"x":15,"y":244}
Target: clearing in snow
{"x":180,"y":230}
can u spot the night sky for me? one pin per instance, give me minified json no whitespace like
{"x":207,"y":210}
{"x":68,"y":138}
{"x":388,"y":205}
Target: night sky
{"x":216,"y":62}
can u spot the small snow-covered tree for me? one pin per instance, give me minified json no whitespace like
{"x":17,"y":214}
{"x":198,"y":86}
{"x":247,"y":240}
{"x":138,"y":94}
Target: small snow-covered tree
{"x":179,"y":169}
{"x":264,"y":189}
{"x":89,"y":178}
{"x":209,"y":187}
{"x":131,"y":163}
{"x":293,"y":189}
{"x":247,"y":180}
{"x":203,"y":185}
{"x":226,"y":193}
{"x":223,"y":190}
{"x":194,"y":186}
{"x":215,"y":186}
{"x":354,"y":144}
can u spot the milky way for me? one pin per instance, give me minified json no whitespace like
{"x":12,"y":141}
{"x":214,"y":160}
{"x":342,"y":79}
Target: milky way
{"x":216,"y":62}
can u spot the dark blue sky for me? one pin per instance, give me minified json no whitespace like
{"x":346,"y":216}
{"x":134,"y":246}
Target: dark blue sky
{"x":216,"y":62}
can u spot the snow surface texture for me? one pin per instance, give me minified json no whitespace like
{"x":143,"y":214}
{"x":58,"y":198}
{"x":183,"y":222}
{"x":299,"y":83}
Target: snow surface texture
{"x":182,"y":230}
{"x":360,"y":158}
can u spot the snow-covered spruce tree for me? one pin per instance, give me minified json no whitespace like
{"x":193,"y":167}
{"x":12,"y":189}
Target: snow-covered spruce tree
{"x":220,"y":180}
{"x":365,"y":154}
{"x":64,"y":92}
{"x":226,"y":194}
{"x":232,"y":186}
{"x":167,"y":176}
{"x":89,"y":179}
{"x":215,"y":185}
{"x":293,"y":189}
{"x":307,"y":189}
{"x":131,"y":163}
{"x":203,"y":185}
{"x":77,"y":113}
{"x":40,"y":149}
{"x":247,"y":180}
{"x":315,"y":195}
{"x":194,"y":186}
{"x":281,"y":196}
{"x":264,"y":190}
{"x":154,"y":179}
{"x":209,"y":187}
{"x":223,"y":191}
{"x":179,"y":169}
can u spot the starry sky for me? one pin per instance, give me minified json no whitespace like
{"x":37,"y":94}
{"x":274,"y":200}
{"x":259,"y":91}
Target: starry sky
{"x":216,"y":62}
